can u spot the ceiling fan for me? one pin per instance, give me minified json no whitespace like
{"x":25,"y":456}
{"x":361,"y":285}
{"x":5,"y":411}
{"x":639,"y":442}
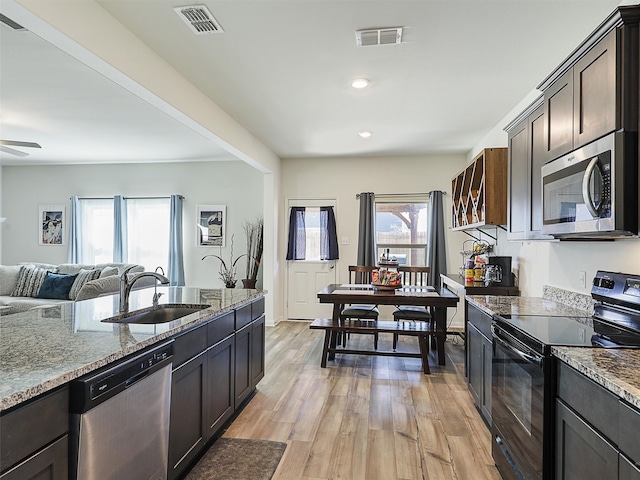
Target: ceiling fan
{"x":5,"y":147}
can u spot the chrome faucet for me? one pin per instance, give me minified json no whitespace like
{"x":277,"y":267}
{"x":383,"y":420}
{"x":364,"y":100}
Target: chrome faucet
{"x":126,"y":285}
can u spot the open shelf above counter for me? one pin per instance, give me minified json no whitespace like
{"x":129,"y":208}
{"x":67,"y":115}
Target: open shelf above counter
{"x":479,"y":192}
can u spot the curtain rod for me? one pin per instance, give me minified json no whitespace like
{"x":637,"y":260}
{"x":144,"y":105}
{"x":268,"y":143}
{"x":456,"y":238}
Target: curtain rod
{"x":136,"y":198}
{"x":402,"y":194}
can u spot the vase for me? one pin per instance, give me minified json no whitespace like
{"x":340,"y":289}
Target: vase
{"x":230,"y":284}
{"x":248,"y":283}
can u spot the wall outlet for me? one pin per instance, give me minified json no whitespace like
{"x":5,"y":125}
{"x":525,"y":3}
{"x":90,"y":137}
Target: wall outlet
{"x":582,"y":278}
{"x":345,"y":241}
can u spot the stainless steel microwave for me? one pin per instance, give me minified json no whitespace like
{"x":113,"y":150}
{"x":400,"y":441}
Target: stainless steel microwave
{"x":592,"y":192}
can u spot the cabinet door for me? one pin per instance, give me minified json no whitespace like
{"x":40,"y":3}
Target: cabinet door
{"x":220,"y":383}
{"x":628,"y":471}
{"x":537,"y":154}
{"x":50,"y":463}
{"x":187,"y":431}
{"x":518,"y":174}
{"x":257,"y":351}
{"x":558,"y":109}
{"x":594,"y":90}
{"x":243,"y":365}
{"x":475,"y":368}
{"x":581,"y":452}
{"x":487,"y":355}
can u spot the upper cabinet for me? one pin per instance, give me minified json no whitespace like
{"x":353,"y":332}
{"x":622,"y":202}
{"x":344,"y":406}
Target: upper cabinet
{"x":479,"y":192}
{"x":594,"y":91}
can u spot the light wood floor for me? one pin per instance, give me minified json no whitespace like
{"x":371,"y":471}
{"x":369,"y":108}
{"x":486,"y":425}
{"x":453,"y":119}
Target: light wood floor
{"x":370,"y":418}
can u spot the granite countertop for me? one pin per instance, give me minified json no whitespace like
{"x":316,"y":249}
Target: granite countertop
{"x":47,"y":347}
{"x":506,"y":305}
{"x":614,"y":369}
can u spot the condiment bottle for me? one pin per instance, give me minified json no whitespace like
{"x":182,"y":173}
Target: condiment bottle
{"x":468,"y":271}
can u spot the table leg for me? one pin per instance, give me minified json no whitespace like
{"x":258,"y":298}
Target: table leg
{"x":325,"y":348}
{"x":337,"y":308}
{"x":441,"y":332}
{"x":424,"y":353}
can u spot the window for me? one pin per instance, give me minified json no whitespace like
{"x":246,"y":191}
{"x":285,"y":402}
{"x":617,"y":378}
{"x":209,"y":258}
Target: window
{"x":401,"y":227}
{"x":147,"y":231}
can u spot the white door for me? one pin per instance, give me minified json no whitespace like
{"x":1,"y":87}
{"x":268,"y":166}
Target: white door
{"x":305,"y":278}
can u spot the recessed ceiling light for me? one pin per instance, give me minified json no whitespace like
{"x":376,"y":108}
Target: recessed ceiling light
{"x":365,"y":134}
{"x":360,"y":83}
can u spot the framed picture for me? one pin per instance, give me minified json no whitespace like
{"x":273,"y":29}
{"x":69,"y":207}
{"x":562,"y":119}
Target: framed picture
{"x":211,"y":225}
{"x":52,"y":225}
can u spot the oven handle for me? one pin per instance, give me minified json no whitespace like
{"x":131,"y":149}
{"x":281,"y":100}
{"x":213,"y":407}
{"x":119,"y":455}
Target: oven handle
{"x":588,"y":201}
{"x":536,"y":360}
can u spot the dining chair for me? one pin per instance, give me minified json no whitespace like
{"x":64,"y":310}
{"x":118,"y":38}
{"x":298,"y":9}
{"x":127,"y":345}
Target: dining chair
{"x":361,"y":274}
{"x":412,"y":276}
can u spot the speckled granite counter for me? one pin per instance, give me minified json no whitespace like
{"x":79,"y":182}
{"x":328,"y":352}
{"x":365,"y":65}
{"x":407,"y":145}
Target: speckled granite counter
{"x":501,"y":305}
{"x":615,"y":369}
{"x":47,"y":347}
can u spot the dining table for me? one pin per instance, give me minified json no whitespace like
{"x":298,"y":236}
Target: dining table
{"x":435,"y":298}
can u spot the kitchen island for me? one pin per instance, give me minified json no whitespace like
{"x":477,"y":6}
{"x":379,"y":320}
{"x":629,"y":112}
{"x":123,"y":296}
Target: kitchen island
{"x":218,"y":360}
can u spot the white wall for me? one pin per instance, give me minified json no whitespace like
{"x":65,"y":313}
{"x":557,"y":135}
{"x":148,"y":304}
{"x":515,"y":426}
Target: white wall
{"x":343,"y":178}
{"x":234,"y":184}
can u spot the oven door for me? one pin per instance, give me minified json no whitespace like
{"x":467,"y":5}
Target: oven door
{"x":576,"y":190}
{"x":518,"y":407}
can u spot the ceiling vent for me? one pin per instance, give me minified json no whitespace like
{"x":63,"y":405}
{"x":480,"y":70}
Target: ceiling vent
{"x":379,"y":36}
{"x":199,"y":19}
{"x":11,"y":23}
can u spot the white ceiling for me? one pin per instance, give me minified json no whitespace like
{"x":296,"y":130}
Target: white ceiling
{"x":282,"y":69}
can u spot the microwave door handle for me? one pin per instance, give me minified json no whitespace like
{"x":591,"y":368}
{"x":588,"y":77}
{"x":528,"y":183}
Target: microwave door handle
{"x":588,"y":201}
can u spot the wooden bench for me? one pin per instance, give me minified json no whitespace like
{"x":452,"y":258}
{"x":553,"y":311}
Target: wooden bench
{"x":416,"y":329}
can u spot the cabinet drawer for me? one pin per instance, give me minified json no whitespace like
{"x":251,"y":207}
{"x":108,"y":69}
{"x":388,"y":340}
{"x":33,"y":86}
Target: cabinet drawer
{"x":220,"y":328}
{"x":257,"y":308}
{"x":243,"y":316}
{"x":479,"y":319}
{"x":595,"y":404}
{"x":629,"y":428}
{"x":28,"y":428}
{"x":189,"y":344}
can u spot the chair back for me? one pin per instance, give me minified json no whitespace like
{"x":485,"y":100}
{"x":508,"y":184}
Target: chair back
{"x":361,"y":273}
{"x":418,"y":276}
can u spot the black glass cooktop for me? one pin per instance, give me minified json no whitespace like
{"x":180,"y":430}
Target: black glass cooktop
{"x":549,"y":330}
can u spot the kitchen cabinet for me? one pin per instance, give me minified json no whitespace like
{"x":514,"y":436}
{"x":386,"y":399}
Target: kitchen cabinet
{"x":479,"y":354}
{"x":213,"y":375}
{"x":34,"y":439}
{"x":595,"y":90}
{"x":526,"y":157}
{"x":596,"y":431}
{"x":479,"y":192}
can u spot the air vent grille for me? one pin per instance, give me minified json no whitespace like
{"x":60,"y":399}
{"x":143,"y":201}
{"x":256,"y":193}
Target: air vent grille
{"x":379,"y":36}
{"x":199,"y":19}
{"x":11,"y":23}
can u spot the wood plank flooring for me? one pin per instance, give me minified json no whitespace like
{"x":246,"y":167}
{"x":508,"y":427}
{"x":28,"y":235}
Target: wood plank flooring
{"x":370,"y":418}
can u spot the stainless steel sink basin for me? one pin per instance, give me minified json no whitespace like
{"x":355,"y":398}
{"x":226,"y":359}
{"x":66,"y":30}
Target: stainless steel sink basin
{"x":159,"y":314}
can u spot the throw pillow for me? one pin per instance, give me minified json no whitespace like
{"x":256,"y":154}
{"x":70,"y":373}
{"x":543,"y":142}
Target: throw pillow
{"x":8,"y":278}
{"x":102,"y":286}
{"x":73,"y":268}
{"x":108,"y":271}
{"x":83,"y":277}
{"x":56,"y":285}
{"x":30,"y":280}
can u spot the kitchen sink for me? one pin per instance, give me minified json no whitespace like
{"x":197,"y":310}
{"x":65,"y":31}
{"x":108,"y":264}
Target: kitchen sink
{"x":158,"y":314}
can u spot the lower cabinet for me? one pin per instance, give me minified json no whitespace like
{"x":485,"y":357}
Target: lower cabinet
{"x":34,"y":441}
{"x":596,"y":432}
{"x":479,"y":355}
{"x":216,"y":368}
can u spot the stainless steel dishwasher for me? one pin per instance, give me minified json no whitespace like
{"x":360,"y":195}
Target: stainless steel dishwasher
{"x":120,"y":419}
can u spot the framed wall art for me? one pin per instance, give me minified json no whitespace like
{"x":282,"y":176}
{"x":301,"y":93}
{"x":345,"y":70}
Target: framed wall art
{"x":52,"y":224}
{"x":211,"y":225}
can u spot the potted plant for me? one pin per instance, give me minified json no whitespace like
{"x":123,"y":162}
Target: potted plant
{"x":253,"y":231}
{"x":228,"y":272}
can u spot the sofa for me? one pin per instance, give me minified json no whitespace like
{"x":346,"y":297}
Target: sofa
{"x":32,"y":285}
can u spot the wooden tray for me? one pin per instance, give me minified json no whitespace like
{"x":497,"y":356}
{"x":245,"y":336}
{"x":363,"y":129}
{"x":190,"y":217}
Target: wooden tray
{"x":386,"y":287}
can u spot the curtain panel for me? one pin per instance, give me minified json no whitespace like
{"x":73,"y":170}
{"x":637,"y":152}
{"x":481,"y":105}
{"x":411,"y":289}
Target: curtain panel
{"x":176,"y":249}
{"x":328,"y":234}
{"x":119,"y":229}
{"x":75,"y":227}
{"x":296,"y":248}
{"x":367,"y":250}
{"x":436,"y":249}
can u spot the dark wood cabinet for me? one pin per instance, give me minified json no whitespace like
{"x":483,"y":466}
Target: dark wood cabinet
{"x":188,"y":429}
{"x":220,"y":399}
{"x":243,"y":365}
{"x":257,"y":350}
{"x":34,"y":438}
{"x":581,"y":452}
{"x":558,"y":107}
{"x":479,"y":356}
{"x":526,"y":156}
